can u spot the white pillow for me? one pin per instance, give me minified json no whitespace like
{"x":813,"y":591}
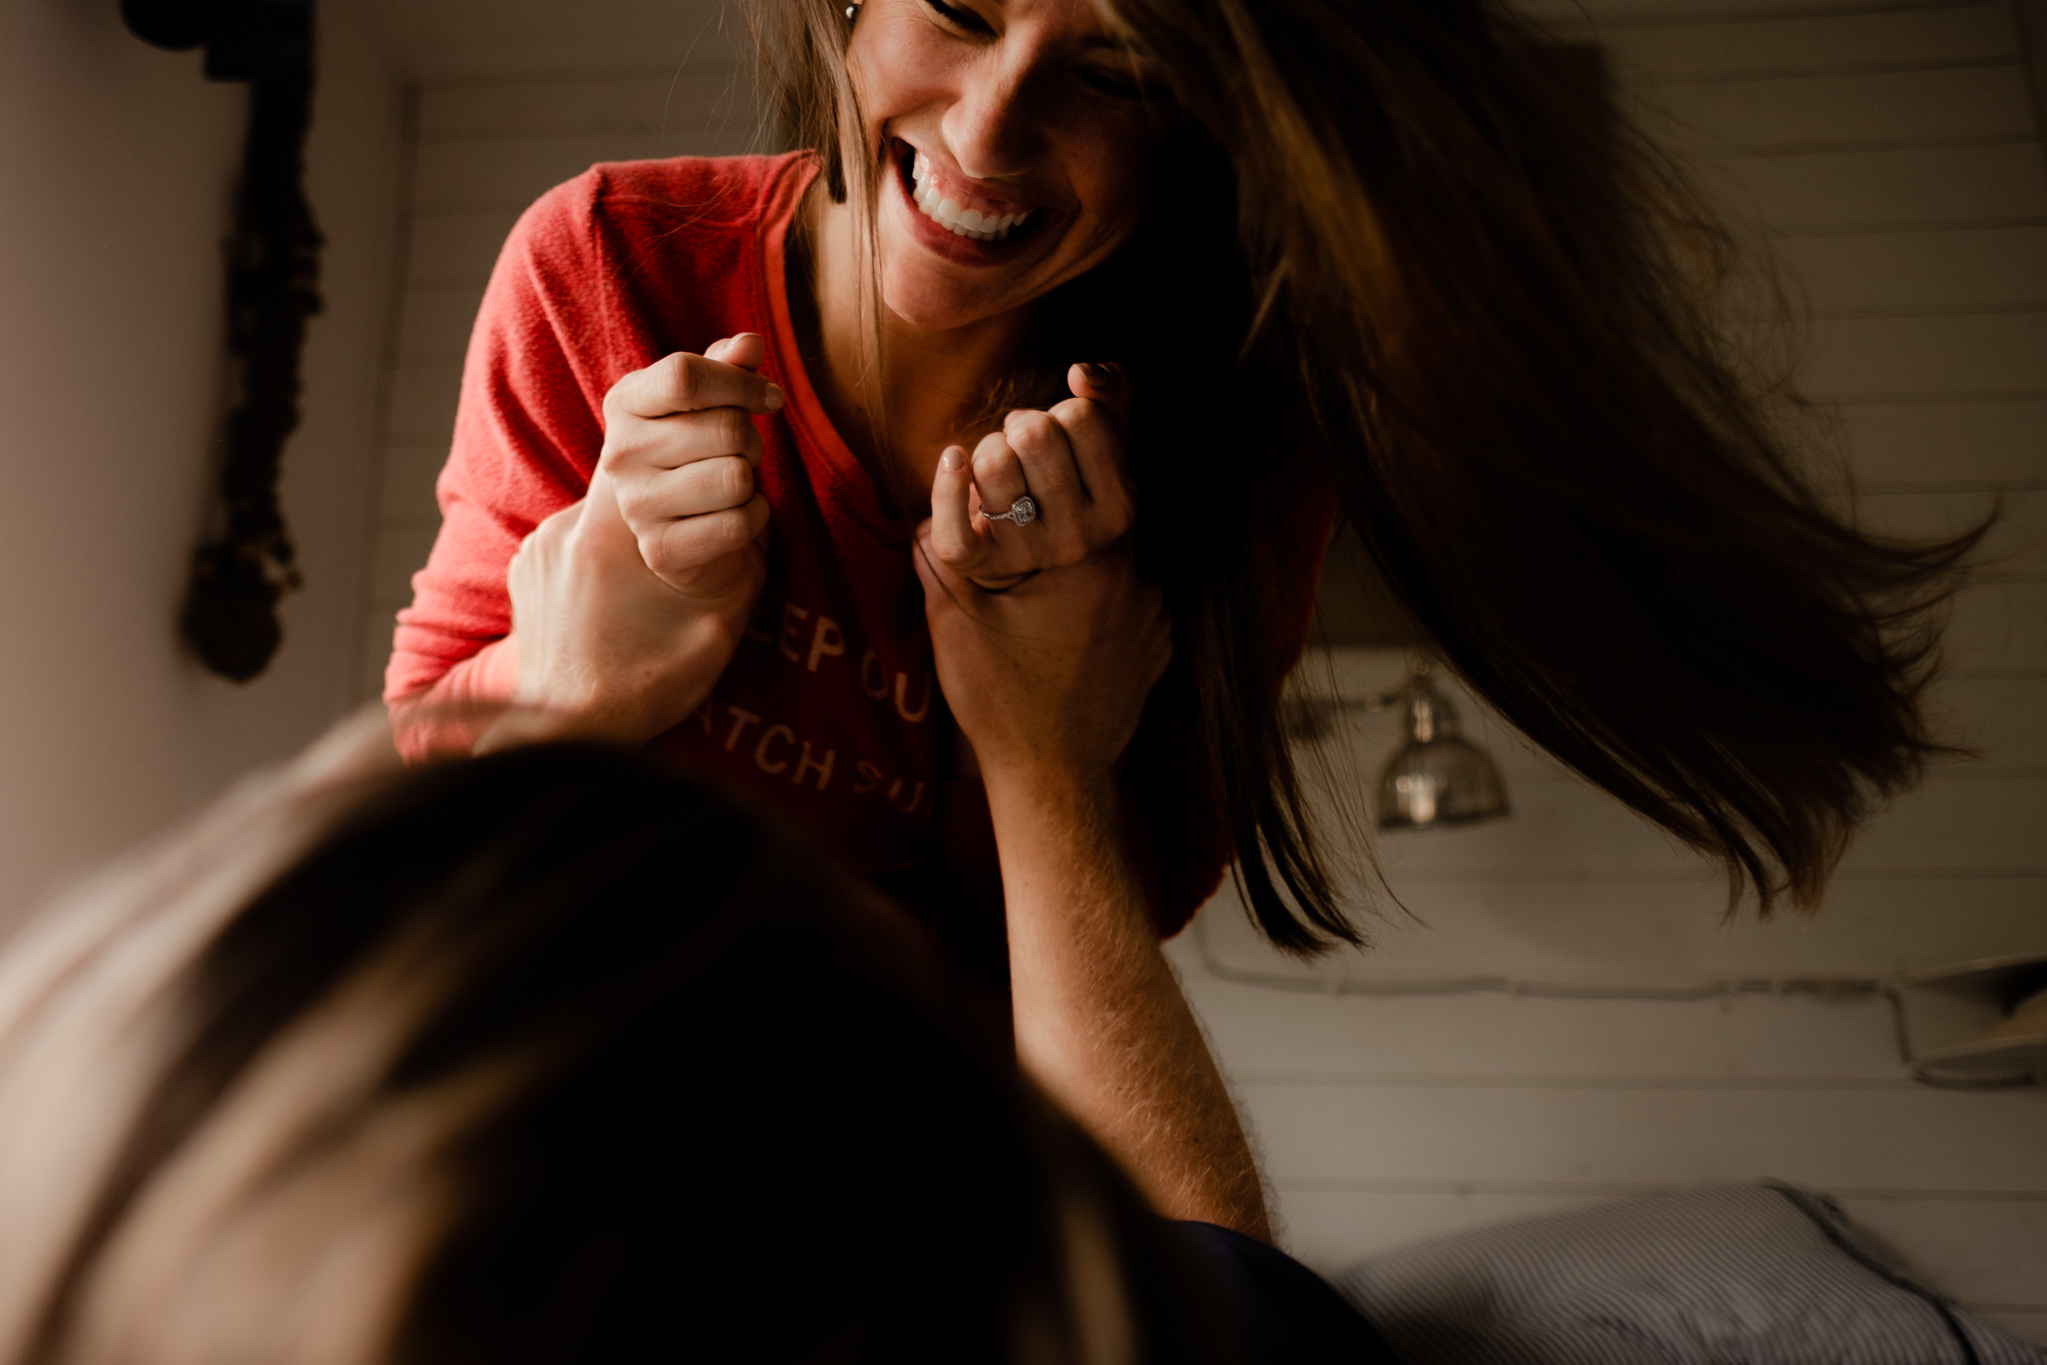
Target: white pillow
{"x":1741,"y":1275}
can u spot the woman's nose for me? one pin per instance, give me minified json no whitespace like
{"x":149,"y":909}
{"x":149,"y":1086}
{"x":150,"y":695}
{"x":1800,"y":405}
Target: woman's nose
{"x":991,"y":127}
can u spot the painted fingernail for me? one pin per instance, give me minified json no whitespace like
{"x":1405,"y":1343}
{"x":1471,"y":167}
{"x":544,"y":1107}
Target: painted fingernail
{"x":954,"y":458}
{"x":775,"y":397}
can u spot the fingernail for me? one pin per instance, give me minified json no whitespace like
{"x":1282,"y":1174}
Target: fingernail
{"x":954,"y":458}
{"x":1099,"y":374}
{"x":775,"y":397}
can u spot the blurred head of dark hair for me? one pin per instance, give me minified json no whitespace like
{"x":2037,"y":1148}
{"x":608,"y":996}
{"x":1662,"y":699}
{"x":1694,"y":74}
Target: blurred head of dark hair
{"x":543,"y":1056}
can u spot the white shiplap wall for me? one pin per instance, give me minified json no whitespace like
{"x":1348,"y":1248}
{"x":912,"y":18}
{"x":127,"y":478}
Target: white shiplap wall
{"x":1893,"y":160}
{"x":1892,"y":156}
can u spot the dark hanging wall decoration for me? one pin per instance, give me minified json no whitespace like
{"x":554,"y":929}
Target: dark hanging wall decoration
{"x":229,"y":616}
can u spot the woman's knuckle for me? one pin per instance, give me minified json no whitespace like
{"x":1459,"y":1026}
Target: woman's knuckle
{"x":952,"y":552}
{"x":729,"y":530}
{"x":679,"y":379}
{"x":735,"y":481}
{"x":631,"y":499}
{"x":732,"y":428}
{"x":655,"y":546}
{"x":1030,"y":429}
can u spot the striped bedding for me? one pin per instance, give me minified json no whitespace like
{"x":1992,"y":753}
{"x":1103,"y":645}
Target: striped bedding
{"x":1742,"y":1275}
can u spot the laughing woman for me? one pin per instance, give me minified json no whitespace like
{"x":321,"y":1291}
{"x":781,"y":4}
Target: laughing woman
{"x":1059,"y":298}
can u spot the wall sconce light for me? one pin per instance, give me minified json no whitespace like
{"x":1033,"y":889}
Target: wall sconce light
{"x":1436,"y":777}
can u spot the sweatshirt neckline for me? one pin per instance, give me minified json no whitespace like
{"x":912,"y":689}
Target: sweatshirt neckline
{"x":850,"y":481}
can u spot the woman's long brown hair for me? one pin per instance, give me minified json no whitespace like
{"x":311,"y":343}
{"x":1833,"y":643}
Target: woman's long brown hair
{"x":1411,"y":265}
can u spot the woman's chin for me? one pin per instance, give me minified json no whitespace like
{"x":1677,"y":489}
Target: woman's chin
{"x":931,"y":306}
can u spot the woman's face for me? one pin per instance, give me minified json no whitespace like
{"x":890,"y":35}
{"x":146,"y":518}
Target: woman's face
{"x":1009,"y":138}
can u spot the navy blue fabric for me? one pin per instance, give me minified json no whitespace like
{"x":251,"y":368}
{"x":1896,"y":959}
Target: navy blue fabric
{"x":1286,"y":1314}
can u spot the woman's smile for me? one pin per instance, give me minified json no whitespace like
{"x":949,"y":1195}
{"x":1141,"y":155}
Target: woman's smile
{"x":960,"y":208}
{"x":959,"y":219}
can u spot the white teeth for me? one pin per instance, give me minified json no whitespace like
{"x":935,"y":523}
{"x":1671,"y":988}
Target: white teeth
{"x":969,"y":223}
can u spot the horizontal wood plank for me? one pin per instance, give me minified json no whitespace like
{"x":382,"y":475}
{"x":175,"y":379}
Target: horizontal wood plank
{"x":400,"y":552}
{"x":1565,"y":826}
{"x":2003,"y":719}
{"x":465,"y":40}
{"x":1999,"y":626}
{"x":1887,"y":190}
{"x":1612,"y":931}
{"x":1988,"y":441}
{"x":1956,"y":270}
{"x":2015,"y":544}
{"x":1992,"y":715}
{"x":1809,"y":43}
{"x":421,"y":403}
{"x":434,"y":321}
{"x":1894,"y":108}
{"x":1261,"y":1035}
{"x":717,"y":101}
{"x":456,"y":248}
{"x":406,"y":478}
{"x":1331,"y":1230}
{"x":1984,"y":354}
{"x":472,"y":175}
{"x":1912,"y":1138}
{"x":373,"y":653}
{"x":1693,"y":11}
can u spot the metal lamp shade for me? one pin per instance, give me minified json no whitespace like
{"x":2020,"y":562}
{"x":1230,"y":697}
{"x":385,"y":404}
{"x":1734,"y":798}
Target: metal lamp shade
{"x":1437,"y":778}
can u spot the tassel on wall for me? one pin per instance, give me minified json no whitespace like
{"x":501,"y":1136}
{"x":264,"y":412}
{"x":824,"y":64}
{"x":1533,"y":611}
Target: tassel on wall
{"x":229,"y":616}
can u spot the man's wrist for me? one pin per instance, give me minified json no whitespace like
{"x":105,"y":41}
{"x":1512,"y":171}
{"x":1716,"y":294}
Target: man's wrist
{"x":1050,"y":787}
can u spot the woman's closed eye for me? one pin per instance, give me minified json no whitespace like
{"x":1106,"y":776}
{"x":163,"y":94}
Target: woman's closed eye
{"x":1111,"y":78}
{"x":1118,"y":81}
{"x":964,"y":19}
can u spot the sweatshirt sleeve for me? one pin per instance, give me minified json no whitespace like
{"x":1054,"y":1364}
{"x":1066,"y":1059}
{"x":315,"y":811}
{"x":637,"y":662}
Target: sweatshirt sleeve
{"x":528,"y":430}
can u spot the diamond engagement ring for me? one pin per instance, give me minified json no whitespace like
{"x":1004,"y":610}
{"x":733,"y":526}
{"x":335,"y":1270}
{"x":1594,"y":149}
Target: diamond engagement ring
{"x":1022,"y":512}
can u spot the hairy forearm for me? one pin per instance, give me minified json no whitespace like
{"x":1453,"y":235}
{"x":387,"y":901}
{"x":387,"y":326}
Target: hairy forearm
{"x":1101,"y":1022}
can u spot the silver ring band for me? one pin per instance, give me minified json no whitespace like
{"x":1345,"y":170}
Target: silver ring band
{"x":1022,"y":512}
